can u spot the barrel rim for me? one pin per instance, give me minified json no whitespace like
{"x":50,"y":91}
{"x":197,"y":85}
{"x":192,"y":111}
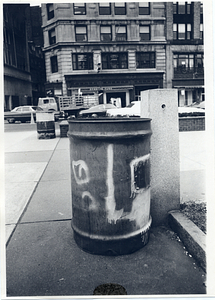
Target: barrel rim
{"x":108,"y":120}
{"x":108,"y":135}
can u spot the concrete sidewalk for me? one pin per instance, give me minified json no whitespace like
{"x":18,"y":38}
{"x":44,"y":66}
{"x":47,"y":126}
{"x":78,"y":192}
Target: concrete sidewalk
{"x":26,"y":158}
{"x":193,"y":161}
{"x":42,"y":257}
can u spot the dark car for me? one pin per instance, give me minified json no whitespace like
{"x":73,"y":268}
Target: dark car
{"x":22,"y":114}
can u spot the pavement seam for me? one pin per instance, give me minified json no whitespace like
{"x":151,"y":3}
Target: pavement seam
{"x":29,"y":200}
{"x":48,"y":221}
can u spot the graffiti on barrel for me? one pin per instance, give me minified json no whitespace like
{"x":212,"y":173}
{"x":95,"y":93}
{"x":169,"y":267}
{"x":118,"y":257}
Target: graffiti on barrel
{"x":140,"y":188}
{"x":81,"y":171}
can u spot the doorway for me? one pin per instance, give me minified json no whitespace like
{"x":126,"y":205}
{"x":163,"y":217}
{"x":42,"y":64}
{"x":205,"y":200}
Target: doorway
{"x":15,"y":101}
{"x":121,"y":95}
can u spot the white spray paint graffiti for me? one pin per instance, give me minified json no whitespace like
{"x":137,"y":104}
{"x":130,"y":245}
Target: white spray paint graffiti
{"x":81,"y":171}
{"x":92,"y":205}
{"x":81,"y":174}
{"x":112,"y":213}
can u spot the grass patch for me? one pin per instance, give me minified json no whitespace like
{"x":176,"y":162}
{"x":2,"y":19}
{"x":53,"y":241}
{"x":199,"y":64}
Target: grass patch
{"x":196,"y":212}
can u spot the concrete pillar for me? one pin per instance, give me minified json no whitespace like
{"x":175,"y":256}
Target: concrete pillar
{"x":196,"y":20}
{"x":105,"y":98}
{"x":64,"y":86}
{"x":182,"y":98}
{"x":10,"y":103}
{"x":161,"y":105}
{"x":127,"y":98}
{"x":169,"y":67}
{"x":190,"y":97}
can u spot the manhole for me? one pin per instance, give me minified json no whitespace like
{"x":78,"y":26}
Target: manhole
{"x":110,"y":289}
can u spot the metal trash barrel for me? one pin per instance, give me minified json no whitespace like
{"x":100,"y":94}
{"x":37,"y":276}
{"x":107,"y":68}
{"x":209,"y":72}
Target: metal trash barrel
{"x":110,"y":178}
{"x":45,"y":125}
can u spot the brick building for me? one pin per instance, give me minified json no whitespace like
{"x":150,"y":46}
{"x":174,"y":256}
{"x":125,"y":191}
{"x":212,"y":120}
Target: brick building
{"x":115,"y":50}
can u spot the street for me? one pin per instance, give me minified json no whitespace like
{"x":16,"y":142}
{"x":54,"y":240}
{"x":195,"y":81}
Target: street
{"x":23,"y":126}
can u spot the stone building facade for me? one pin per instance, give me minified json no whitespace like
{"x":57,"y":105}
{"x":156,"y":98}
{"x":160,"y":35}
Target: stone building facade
{"x":115,"y":50}
{"x":118,"y":49}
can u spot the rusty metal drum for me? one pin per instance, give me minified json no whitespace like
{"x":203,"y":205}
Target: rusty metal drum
{"x":45,"y":125}
{"x":110,"y":179}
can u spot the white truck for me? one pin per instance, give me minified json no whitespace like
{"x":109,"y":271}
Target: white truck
{"x":133,"y":109}
{"x":68,"y":105}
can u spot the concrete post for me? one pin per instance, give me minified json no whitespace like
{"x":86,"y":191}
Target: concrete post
{"x":161,"y":105}
{"x":105,"y":98}
{"x":127,"y":97}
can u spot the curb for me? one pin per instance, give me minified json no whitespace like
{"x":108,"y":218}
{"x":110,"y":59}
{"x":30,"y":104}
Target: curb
{"x":193,"y":238}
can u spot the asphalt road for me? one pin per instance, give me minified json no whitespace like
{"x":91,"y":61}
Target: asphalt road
{"x":18,"y":126}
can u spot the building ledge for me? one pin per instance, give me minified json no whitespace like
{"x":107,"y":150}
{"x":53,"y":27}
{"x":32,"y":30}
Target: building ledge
{"x":100,"y":44}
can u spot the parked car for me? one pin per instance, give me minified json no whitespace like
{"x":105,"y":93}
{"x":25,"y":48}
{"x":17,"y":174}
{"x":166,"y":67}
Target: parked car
{"x":190,"y":111}
{"x":133,"y":109}
{"x":97,"y":110}
{"x":198,"y":105}
{"x":23,"y":114}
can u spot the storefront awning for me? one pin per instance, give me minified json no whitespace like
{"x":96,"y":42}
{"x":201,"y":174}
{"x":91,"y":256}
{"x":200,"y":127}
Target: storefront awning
{"x":189,"y":87}
{"x":105,"y":88}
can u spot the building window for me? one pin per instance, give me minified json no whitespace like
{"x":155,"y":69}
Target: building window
{"x":105,"y":8}
{"x":115,"y":60}
{"x":54,"y":64}
{"x":201,"y":31}
{"x":182,"y":31}
{"x":144,"y":8}
{"x":182,"y":8}
{"x":191,"y":63}
{"x":79,"y":8}
{"x":105,"y":34}
{"x":145,"y":60}
{"x":52,"y":37}
{"x":201,"y":12}
{"x":81,"y":33}
{"x":20,"y":52}
{"x":9,"y":50}
{"x":121,"y":34}
{"x":199,"y":60}
{"x":201,"y":8}
{"x":120,"y":8}
{"x":144,"y":33}
{"x":183,"y":61}
{"x":50,"y":10}
{"x":82,"y":61}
